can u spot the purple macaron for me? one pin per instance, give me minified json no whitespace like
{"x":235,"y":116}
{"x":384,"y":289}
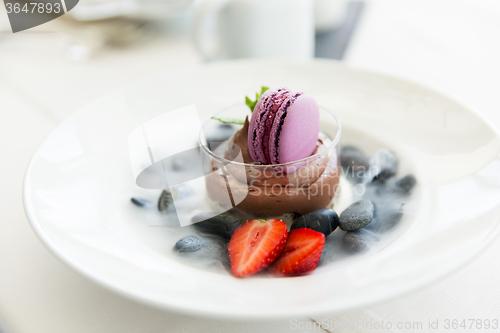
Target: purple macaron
{"x":284,"y":127}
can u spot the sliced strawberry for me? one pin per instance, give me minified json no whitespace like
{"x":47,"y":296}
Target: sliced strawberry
{"x":302,"y":252}
{"x":255,"y":245}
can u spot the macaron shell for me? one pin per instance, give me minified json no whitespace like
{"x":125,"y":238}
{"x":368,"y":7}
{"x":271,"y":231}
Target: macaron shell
{"x":256,"y":129}
{"x":269,"y":119}
{"x":295,"y":131}
{"x":262,"y":122}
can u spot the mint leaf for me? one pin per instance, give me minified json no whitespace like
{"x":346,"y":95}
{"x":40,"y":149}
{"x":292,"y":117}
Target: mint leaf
{"x":251,"y":104}
{"x":230,"y":121}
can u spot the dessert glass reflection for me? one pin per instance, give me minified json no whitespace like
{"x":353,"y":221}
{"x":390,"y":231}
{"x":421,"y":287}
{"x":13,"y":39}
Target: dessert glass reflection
{"x":235,"y":182}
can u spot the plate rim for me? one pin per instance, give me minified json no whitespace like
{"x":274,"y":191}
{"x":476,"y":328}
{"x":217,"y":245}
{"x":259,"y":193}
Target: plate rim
{"x":398,"y":292}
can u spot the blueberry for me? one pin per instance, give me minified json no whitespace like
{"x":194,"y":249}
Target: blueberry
{"x":140,"y":202}
{"x":406,"y":184}
{"x":385,"y":158}
{"x":386,"y":217}
{"x":353,"y":243}
{"x":390,"y":219}
{"x":221,"y":134}
{"x":384,"y":174}
{"x":165,"y":200}
{"x":322,"y":220}
{"x":222,"y":225}
{"x":189,"y":244}
{"x":393,"y":218}
{"x":358,"y":241}
{"x":357,"y":153}
{"x":357,"y":215}
{"x":354,"y":163}
{"x":383,"y":165}
{"x":212,"y":255}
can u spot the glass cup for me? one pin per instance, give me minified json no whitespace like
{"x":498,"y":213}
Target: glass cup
{"x":234,"y":182}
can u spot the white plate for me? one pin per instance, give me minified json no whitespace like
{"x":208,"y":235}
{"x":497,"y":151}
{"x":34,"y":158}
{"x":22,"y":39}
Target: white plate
{"x":78,"y":186}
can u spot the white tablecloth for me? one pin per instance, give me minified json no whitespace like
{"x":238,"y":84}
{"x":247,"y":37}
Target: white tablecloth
{"x":450,"y":45}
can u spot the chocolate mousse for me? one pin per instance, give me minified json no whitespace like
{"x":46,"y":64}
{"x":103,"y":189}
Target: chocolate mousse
{"x":272,"y":190}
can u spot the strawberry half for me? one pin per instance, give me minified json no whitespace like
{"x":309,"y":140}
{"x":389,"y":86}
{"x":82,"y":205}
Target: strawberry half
{"x":302,"y":252}
{"x":255,"y":245}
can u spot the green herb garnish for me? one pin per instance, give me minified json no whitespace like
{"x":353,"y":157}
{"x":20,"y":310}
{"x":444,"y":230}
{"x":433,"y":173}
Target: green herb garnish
{"x":251,"y":104}
{"x":230,"y":121}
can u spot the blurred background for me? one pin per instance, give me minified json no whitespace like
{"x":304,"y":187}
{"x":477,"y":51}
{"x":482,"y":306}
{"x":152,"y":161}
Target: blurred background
{"x":50,"y":71}
{"x":65,"y":63}
{"x":103,"y":43}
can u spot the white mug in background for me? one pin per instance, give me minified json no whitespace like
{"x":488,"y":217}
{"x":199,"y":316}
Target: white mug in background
{"x":254,"y":28}
{"x":329,"y":14}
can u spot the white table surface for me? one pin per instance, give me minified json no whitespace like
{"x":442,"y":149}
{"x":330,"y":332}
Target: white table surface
{"x":450,"y":45}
